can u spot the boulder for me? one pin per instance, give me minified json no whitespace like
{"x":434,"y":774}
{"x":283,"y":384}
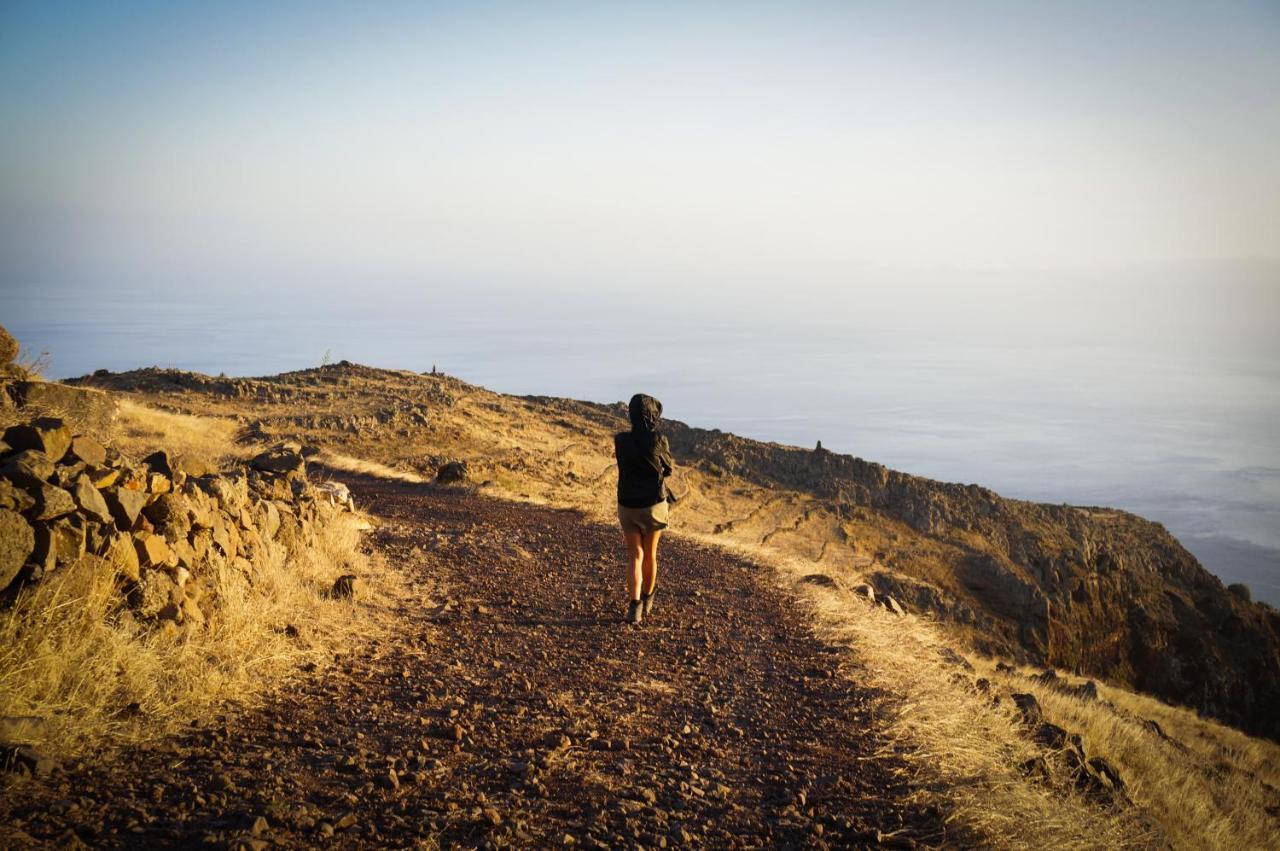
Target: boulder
{"x":8,"y":347}
{"x":346,"y":587}
{"x":865,"y":591}
{"x":231,"y":492}
{"x":193,"y":466}
{"x":153,"y":592}
{"x":170,"y":512}
{"x":153,"y":550}
{"x":51,"y":502}
{"x":30,"y":466}
{"x":61,"y":542}
{"x":89,"y":450}
{"x":46,"y":434}
{"x":336,"y":491}
{"x":183,"y":551}
{"x":268,"y":519}
{"x":819,"y":579}
{"x":15,"y":498}
{"x":65,"y":475}
{"x":283,"y":459}
{"x":17,"y":540}
{"x":1029,"y":707}
{"x":104,"y":477}
{"x":453,"y":472}
{"x":90,"y":500}
{"x":125,"y":506}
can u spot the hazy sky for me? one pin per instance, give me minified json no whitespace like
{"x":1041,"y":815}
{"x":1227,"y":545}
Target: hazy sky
{"x":590,"y":143}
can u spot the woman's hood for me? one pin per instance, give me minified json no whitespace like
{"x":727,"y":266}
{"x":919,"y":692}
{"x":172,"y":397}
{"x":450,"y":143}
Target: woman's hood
{"x":645,"y":411}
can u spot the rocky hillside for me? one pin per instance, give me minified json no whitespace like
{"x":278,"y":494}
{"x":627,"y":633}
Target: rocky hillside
{"x":1092,"y":590}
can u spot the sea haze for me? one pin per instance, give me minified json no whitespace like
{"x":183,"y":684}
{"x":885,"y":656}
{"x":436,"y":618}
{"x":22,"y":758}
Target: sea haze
{"x":1160,"y":397}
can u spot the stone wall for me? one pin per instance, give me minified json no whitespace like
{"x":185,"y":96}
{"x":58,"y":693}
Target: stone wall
{"x":167,"y":525}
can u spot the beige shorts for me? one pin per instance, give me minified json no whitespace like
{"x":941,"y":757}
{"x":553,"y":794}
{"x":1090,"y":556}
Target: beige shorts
{"x":644,"y":520}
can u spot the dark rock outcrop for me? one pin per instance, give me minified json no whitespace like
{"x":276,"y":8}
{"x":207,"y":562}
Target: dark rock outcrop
{"x":1093,"y":590}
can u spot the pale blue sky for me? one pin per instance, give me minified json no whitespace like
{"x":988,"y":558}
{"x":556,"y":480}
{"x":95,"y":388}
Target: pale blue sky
{"x":583,"y":145}
{"x":897,"y":227}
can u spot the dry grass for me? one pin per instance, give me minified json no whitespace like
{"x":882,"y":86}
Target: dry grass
{"x":1212,"y":787}
{"x":72,"y":656}
{"x":964,"y":750}
{"x":360,"y":466}
{"x":141,"y":429}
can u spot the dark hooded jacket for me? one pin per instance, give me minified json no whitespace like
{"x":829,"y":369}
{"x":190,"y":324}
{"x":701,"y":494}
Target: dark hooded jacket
{"x":644,"y":456}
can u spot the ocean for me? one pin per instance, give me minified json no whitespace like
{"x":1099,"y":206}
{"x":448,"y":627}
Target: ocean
{"x":1162,"y":400}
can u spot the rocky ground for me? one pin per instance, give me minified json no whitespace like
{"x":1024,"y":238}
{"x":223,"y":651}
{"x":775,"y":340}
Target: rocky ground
{"x":512,"y":708}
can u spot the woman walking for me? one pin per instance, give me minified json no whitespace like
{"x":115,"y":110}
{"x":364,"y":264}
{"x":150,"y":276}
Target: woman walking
{"x":644,"y":462}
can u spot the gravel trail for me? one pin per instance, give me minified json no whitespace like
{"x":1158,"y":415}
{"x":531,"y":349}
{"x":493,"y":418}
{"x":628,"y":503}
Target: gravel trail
{"x":512,"y":708}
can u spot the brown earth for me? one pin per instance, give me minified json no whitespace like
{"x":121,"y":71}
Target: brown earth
{"x":513,"y":708}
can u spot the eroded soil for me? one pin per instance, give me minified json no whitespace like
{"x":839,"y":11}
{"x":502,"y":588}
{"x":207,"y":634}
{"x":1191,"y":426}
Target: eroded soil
{"x":512,"y":708}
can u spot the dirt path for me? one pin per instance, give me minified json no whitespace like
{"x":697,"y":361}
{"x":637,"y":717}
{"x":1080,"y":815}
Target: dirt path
{"x":518,"y":711}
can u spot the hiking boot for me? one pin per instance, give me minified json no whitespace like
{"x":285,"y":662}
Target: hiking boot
{"x":635,"y":612}
{"x":646,"y":602}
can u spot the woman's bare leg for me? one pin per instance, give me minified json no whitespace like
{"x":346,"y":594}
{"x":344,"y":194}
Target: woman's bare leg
{"x":635,"y":560}
{"x":649,"y":543}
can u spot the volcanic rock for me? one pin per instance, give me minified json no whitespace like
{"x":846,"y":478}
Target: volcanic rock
{"x":453,"y":472}
{"x":89,"y":450}
{"x":125,"y":505}
{"x":90,"y":500}
{"x":28,"y":467}
{"x":51,"y":502}
{"x":285,"y":459}
{"x":15,"y":498}
{"x":17,"y":540}
{"x":346,"y":587}
{"x":46,"y":434}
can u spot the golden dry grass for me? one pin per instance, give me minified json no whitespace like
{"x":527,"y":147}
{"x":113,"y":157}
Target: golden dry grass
{"x":347,"y":464}
{"x":1211,"y":787}
{"x":965,"y":751}
{"x":141,"y":429}
{"x":70,"y":655}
